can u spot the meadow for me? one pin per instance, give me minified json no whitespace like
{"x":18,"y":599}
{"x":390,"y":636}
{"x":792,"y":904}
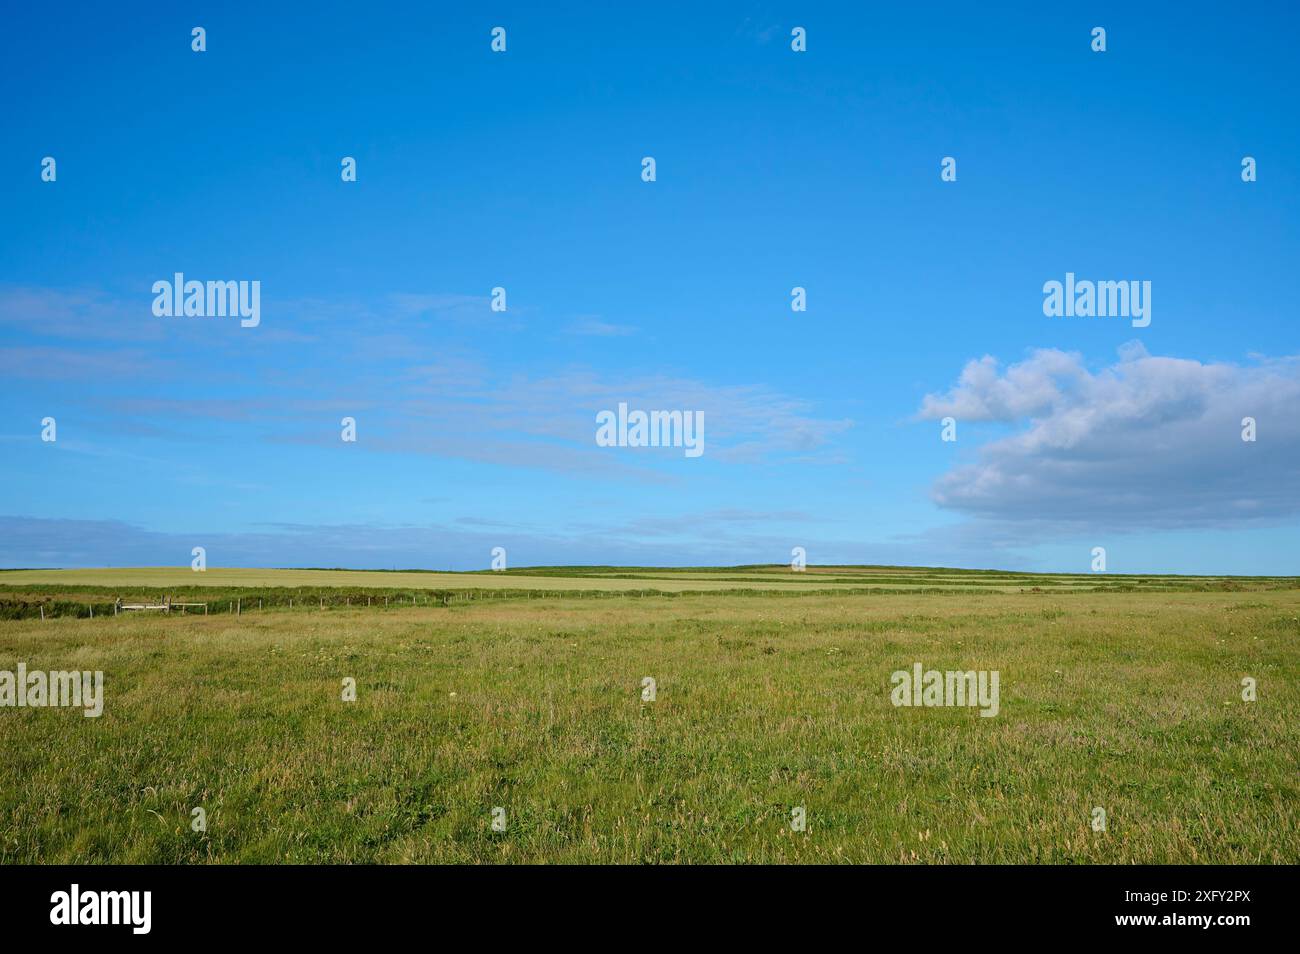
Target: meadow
{"x":518,"y":697}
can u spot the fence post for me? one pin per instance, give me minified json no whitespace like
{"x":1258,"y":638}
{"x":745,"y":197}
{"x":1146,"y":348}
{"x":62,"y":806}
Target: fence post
{"x":205,"y":609}
{"x":239,"y":607}
{"x":92,"y":610}
{"x":42,"y":612}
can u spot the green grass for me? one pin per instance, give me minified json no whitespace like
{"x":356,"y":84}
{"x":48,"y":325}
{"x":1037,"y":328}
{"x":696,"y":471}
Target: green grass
{"x":1126,"y":698}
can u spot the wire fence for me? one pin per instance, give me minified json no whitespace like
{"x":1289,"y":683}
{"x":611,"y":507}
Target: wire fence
{"x":64,"y":606}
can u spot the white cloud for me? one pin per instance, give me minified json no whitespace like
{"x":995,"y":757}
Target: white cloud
{"x":1148,"y":443}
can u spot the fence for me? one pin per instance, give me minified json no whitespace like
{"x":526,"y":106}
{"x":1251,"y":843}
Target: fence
{"x":227,"y":603}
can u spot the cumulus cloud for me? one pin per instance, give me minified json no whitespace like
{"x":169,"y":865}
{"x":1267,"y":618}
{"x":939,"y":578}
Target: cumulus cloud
{"x":1149,"y":442}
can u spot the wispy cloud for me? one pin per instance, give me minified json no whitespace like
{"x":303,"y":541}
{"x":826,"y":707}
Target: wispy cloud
{"x":52,"y":363}
{"x":461,"y":544}
{"x":79,"y":314}
{"x":594,"y":327}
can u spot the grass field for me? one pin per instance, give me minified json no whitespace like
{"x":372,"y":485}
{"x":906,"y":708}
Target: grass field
{"x":523,"y":691}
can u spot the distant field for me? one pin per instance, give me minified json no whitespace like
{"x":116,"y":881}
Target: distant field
{"x":1122,"y":693}
{"x":623,"y":578}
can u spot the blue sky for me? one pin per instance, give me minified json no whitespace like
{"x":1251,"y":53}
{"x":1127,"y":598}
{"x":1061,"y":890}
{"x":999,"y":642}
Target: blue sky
{"x":775,"y":169}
